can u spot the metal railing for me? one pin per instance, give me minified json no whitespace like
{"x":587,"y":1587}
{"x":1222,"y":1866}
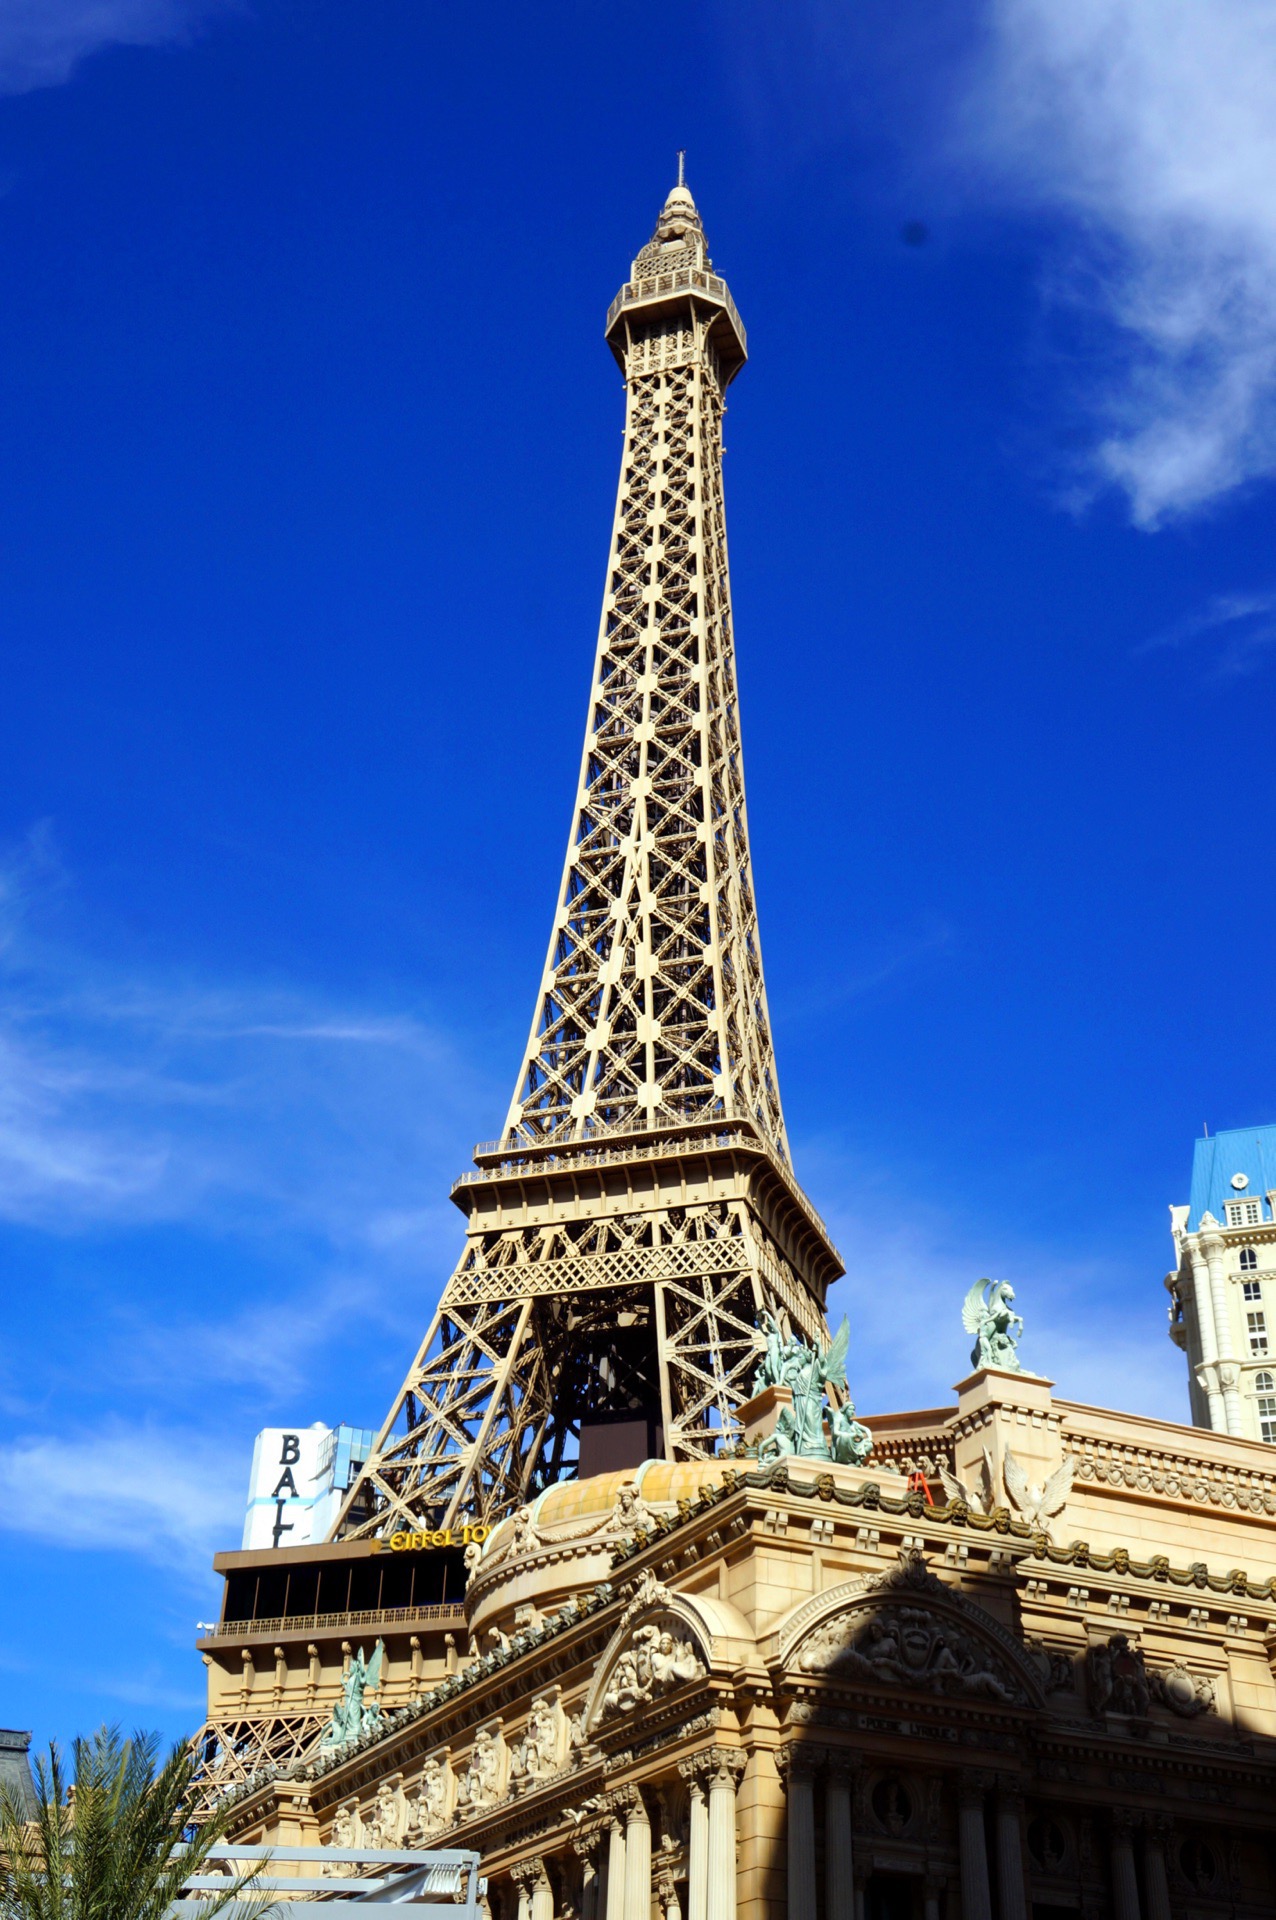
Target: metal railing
{"x":529,"y":1156}
{"x":321,"y":1622}
{"x":446,"y":1878}
{"x":691,"y":279}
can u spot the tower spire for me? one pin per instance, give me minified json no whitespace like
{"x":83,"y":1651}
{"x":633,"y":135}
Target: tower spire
{"x":638,"y":1214}
{"x":682,"y":166}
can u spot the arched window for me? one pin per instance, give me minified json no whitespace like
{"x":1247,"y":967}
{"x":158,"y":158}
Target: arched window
{"x":1264,"y":1383}
{"x":1249,"y":1259}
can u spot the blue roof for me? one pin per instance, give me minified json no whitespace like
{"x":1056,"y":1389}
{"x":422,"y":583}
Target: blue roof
{"x":1247,"y":1150}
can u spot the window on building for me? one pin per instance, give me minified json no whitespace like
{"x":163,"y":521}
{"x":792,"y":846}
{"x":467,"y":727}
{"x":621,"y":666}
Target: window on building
{"x":1249,"y":1259}
{"x":1252,"y":1289}
{"x":1264,"y":1383}
{"x":1244,"y":1213}
{"x":1256,"y":1324}
{"x":1267,"y":1417}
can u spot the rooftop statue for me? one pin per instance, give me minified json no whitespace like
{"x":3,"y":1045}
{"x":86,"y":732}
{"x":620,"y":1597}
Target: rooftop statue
{"x":998,"y":1329}
{"x":351,"y":1719}
{"x":800,"y":1429}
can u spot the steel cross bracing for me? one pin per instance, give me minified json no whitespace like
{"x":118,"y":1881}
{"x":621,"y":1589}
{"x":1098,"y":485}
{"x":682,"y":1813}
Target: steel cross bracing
{"x":638,"y":1214}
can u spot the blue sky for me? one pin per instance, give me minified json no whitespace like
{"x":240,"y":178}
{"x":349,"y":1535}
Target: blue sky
{"x":308,"y":440}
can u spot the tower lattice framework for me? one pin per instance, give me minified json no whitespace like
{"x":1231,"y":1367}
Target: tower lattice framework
{"x":639,"y":1212}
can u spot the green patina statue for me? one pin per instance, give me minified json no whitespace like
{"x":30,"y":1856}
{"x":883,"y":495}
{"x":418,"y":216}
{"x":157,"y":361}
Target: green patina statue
{"x":998,"y":1329}
{"x":801,"y":1429}
{"x":351,"y":1719}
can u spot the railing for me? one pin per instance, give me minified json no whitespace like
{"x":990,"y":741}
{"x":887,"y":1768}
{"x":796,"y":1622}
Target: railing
{"x":340,"y":1879}
{"x":527,"y":1155}
{"x":690,"y":278}
{"x":321,"y":1622}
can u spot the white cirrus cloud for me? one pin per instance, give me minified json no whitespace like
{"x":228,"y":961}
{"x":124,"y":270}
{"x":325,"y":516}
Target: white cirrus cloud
{"x":1150,"y":126}
{"x":1241,"y":626}
{"x":167,"y":1495}
{"x":129,"y":1098}
{"x":43,"y":41}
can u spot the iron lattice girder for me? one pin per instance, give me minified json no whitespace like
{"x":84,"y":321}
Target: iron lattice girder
{"x":652,"y":1005}
{"x":684,"y":1237}
{"x":641,"y":1194}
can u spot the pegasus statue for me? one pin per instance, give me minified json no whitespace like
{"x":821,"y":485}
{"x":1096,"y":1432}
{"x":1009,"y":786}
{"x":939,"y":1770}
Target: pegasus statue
{"x":988,"y":1314}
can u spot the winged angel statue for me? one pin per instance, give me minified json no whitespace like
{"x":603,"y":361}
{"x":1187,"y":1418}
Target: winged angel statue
{"x":351,"y":1717}
{"x":807,"y":1374}
{"x":998,"y":1329}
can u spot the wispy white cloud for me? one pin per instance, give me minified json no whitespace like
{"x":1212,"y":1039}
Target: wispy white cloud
{"x":875,"y":965}
{"x":171,"y":1496}
{"x":1091,"y":1324}
{"x":136,"y":1099}
{"x":1150,"y":125}
{"x":1241,"y":626}
{"x":43,"y":41}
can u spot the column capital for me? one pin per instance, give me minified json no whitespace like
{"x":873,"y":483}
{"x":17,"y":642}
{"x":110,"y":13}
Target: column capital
{"x":528,"y":1873}
{"x":1125,"y":1823}
{"x":844,"y":1764}
{"x":799,"y":1760}
{"x":714,"y":1764}
{"x":972,"y":1786}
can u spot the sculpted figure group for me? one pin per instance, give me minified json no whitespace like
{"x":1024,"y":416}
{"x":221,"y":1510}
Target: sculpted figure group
{"x":1119,"y":1682}
{"x":656,"y":1660}
{"x":807,"y":1429}
{"x":352,"y":1717}
{"x":910,"y":1646}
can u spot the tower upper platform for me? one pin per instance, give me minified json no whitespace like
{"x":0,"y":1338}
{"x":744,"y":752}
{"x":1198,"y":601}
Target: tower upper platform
{"x":672,"y":270}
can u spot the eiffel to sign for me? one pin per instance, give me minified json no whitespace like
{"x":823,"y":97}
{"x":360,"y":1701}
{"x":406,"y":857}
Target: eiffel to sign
{"x":639,"y":1212}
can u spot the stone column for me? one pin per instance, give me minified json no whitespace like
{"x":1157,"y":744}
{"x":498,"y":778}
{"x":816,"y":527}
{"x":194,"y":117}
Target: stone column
{"x":1228,"y":1375}
{"x":615,"y":1872}
{"x":1011,"y":1902}
{"x":976,"y":1901}
{"x":637,"y":1904}
{"x":931,"y":1891}
{"x":587,"y":1854}
{"x":522,"y":1880}
{"x":1158,"y":1886}
{"x":801,"y":1834}
{"x":839,"y":1860}
{"x":698,"y":1853}
{"x":667,"y":1892}
{"x":1125,"y":1885}
{"x":720,"y":1904}
{"x":542,"y":1895}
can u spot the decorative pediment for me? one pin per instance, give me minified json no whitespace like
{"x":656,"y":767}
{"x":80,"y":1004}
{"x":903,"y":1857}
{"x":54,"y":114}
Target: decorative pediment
{"x":908,"y":1629}
{"x":655,"y":1651}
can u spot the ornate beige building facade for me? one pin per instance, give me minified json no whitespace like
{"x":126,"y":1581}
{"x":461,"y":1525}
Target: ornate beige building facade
{"x":581,"y":1611}
{"x":709,"y":1691}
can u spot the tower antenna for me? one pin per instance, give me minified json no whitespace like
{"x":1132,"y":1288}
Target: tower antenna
{"x":682,"y":166}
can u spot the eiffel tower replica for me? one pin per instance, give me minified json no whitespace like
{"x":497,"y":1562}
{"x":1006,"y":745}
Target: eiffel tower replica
{"x":639,"y":1213}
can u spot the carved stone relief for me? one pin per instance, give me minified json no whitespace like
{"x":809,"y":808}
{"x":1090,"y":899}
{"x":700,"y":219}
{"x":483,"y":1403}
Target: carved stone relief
{"x":436,"y":1800}
{"x":660,"y":1656}
{"x":912,"y":1647}
{"x":1118,"y":1681}
{"x":486,"y":1779}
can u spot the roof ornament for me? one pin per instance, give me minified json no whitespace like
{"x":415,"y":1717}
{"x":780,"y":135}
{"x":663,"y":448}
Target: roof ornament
{"x":682,"y":166}
{"x":987,"y":1313}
